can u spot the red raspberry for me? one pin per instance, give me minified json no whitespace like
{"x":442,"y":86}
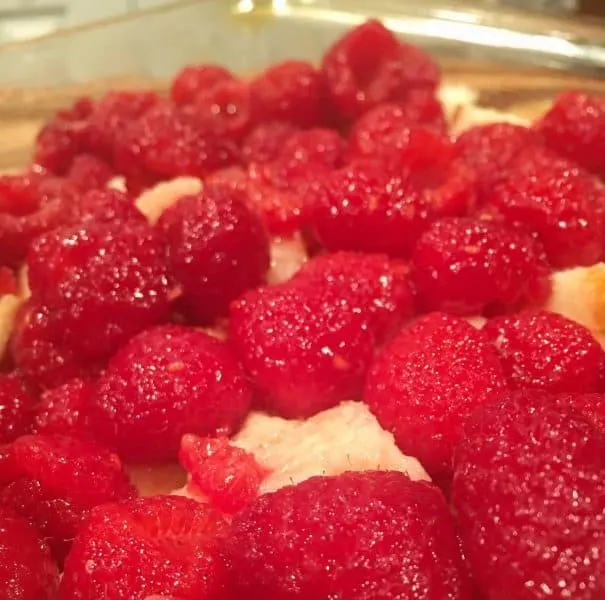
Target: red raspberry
{"x":362,"y":208}
{"x":8,"y":282}
{"x":467,"y":266}
{"x":166,"y":546}
{"x":369,"y":65}
{"x":140,"y":405}
{"x":358,"y":535}
{"x":370,"y":284}
{"x":27,"y":571}
{"x":167,"y":142}
{"x":194,"y":79}
{"x":529,"y":489}
{"x":560,"y":202}
{"x":265,"y":142}
{"x":9,"y":469}
{"x":218,"y":248}
{"x":292,"y":91}
{"x":547,"y":351}
{"x":105,"y":206}
{"x":108,"y":281}
{"x":16,"y":408}
{"x":61,"y":480}
{"x":227,"y":476}
{"x":62,"y":409}
{"x":590,"y":406}
{"x":304,"y":351}
{"x":427,"y":383}
{"x":88,"y":172}
{"x":575,"y":127}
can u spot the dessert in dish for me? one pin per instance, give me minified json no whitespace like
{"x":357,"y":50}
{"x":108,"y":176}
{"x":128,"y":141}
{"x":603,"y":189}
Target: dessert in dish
{"x":329,"y":333}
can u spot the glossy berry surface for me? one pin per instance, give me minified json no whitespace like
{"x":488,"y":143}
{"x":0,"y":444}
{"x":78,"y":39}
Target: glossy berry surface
{"x":192,"y":80}
{"x":16,"y":408}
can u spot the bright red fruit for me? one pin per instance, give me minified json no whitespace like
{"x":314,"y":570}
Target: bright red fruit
{"x":265,"y":142}
{"x":192,"y":80}
{"x":16,"y":408}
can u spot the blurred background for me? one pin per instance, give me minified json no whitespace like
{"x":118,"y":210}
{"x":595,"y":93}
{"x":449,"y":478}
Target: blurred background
{"x":23,"y":19}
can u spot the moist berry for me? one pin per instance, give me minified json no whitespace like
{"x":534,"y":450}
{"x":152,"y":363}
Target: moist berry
{"x":304,"y":351}
{"x":546,"y":351}
{"x":426,"y":384}
{"x":27,"y":571}
{"x":16,"y":408}
{"x":468,"y":266}
{"x":368,"y":66}
{"x":358,"y":535}
{"x":194,"y":79}
{"x":530,"y":494}
{"x":362,"y":208}
{"x":218,"y":248}
{"x":293,"y":91}
{"x":166,"y":382}
{"x":165,"y":545}
{"x":8,"y":282}
{"x":265,"y":142}
{"x":575,"y":127}
{"x":370,"y":284}
{"x":9,"y":470}
{"x":558,"y":201}
{"x":105,"y":206}
{"x":88,"y":172}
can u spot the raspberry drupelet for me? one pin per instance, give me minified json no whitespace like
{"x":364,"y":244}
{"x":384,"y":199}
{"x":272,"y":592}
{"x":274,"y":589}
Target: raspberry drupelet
{"x":17,"y":406}
{"x":192,"y":80}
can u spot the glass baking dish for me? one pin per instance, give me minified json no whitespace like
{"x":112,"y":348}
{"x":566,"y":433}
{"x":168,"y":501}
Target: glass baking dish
{"x":515,"y":61}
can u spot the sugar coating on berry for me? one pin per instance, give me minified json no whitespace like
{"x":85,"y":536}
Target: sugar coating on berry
{"x":166,"y":382}
{"x":358,"y":535}
{"x":27,"y":571}
{"x":428,"y":381}
{"x":88,"y":172}
{"x":528,"y":489}
{"x":264,"y":143}
{"x":166,"y":545}
{"x":304,"y":352}
{"x":192,"y":80}
{"x":546,"y":351}
{"x":16,"y":408}
{"x":467,"y":265}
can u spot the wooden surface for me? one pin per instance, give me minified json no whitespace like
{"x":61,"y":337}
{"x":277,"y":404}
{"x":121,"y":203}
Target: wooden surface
{"x":592,"y":7}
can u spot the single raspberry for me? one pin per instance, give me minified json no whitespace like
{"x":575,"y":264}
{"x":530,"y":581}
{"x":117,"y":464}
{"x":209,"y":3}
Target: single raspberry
{"x":9,"y":469}
{"x":575,"y":127}
{"x":27,"y":571}
{"x":8,"y":282}
{"x":530,"y":494}
{"x":218,"y":248}
{"x":105,"y":206}
{"x":16,"y":408}
{"x":166,"y":382}
{"x":227,"y":476}
{"x":426,"y":384}
{"x":284,"y":211}
{"x":88,"y":172}
{"x":108,"y":281}
{"x":265,"y":142}
{"x":293,"y":91}
{"x":62,"y":410}
{"x":194,"y":79}
{"x":304,"y":351}
{"x":371,"y":284}
{"x":167,"y":142}
{"x":165,"y":545}
{"x":468,"y":266}
{"x":368,"y":66}
{"x":557,"y":200}
{"x":362,"y":208}
{"x":358,"y":535}
{"x":546,"y":351}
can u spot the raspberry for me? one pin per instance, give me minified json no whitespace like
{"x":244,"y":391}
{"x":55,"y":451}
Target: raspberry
{"x":8,"y":282}
{"x":546,"y":351}
{"x":530,"y":495}
{"x":292,"y":91}
{"x":9,"y":469}
{"x":27,"y":571}
{"x":105,"y":206}
{"x":166,"y":382}
{"x":284,"y":212}
{"x":558,"y":201}
{"x":368,"y":66}
{"x":60,"y":410}
{"x":16,"y":408}
{"x":575,"y":127}
{"x":265,"y":142}
{"x":590,"y":406}
{"x":370,"y":284}
{"x":362,"y":208}
{"x":228,"y":476}
{"x":304,"y":351}
{"x":359,"y":535}
{"x":167,"y":142}
{"x":88,"y":172}
{"x":218,"y":248}
{"x":108,"y":281}
{"x":194,"y":79}
{"x":165,"y":545}
{"x":468,"y":266}
{"x":427,"y":383}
